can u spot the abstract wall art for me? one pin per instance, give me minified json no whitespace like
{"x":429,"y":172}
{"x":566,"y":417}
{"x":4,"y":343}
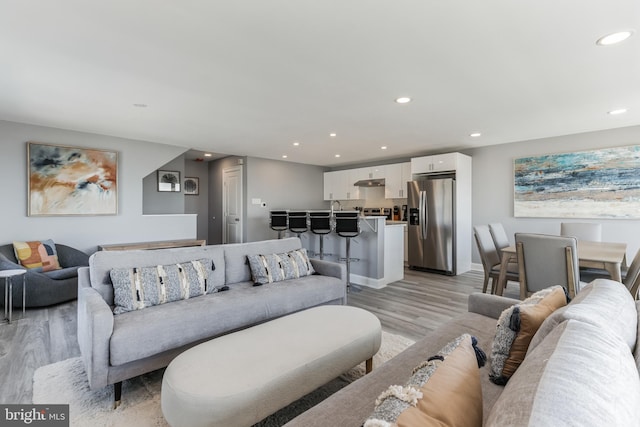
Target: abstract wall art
{"x":601,"y":183}
{"x":169,"y":181}
{"x":65,"y":180}
{"x":192,"y":186}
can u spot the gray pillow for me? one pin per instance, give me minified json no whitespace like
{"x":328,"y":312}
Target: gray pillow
{"x":140,"y":287}
{"x":277,"y":267}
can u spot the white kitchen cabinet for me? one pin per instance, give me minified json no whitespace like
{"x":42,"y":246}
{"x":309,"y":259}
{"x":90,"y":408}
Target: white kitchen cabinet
{"x":436,"y":163}
{"x":338,"y":185}
{"x":330,"y":185}
{"x":376,"y":172}
{"x":353,"y":192}
{"x":373,"y":172}
{"x":396,"y":177}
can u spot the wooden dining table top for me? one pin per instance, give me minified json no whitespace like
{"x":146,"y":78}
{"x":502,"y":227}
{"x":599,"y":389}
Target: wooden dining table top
{"x":608,"y":256}
{"x":605,"y":252}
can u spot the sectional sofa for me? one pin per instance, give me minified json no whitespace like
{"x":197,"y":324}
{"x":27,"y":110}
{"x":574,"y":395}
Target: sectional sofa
{"x":116,"y":347}
{"x":580,"y":369}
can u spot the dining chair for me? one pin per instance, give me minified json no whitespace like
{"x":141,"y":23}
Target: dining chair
{"x":499,"y":236}
{"x":491,"y":258}
{"x":582,"y":230}
{"x":630,"y":275}
{"x":547,"y":260}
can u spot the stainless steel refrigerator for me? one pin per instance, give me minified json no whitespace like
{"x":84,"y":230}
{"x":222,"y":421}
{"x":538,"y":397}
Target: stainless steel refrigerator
{"x":431,"y":223}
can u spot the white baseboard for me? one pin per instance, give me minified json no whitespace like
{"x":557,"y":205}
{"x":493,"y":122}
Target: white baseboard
{"x":368,"y":281}
{"x":477,"y":267}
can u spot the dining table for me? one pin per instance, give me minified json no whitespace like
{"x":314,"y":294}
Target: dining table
{"x":608,"y":256}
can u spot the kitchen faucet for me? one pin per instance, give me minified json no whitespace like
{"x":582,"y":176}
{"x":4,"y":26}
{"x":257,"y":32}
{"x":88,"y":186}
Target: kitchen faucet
{"x":339,"y":206}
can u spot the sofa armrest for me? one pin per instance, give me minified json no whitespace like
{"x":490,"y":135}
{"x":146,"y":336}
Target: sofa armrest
{"x":95,"y":327}
{"x":7,"y":264}
{"x":329,"y":268}
{"x":71,"y":257}
{"x":489,"y":305}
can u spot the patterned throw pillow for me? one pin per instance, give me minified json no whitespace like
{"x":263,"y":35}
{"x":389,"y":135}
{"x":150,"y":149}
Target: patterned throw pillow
{"x":516,"y":327}
{"x":277,"y":267}
{"x":140,"y":287}
{"x":37,"y":255}
{"x":443,"y":390}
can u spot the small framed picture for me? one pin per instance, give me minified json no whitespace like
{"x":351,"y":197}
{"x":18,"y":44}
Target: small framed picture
{"x":169,"y":181}
{"x":191,"y":185}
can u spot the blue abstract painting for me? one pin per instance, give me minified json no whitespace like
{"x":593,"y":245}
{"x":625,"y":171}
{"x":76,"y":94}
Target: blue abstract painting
{"x":587,"y":184}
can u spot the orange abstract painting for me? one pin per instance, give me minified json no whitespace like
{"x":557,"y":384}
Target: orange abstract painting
{"x":71,"y":181}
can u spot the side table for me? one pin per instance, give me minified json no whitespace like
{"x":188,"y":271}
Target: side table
{"x":8,"y":291}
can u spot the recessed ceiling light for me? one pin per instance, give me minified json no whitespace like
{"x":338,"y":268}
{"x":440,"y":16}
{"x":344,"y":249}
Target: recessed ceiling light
{"x":284,"y":156}
{"x":614,"y":38}
{"x":475,"y":134}
{"x":337,"y":155}
{"x":333,"y":135}
{"x":140,"y":105}
{"x":403,"y":100}
{"x":618,"y":111}
{"x":384,"y":147}
{"x":296,"y":143}
{"x":208,"y":154}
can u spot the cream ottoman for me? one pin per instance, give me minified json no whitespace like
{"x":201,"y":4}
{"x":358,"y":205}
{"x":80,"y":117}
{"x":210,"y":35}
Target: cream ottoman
{"x":241,"y":378}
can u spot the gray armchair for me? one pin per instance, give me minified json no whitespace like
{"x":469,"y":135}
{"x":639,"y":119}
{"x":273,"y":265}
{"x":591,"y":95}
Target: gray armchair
{"x":44,"y":289}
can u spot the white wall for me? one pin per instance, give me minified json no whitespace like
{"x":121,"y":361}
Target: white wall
{"x":198,"y":204}
{"x":493,"y":185}
{"x":136,"y":159}
{"x":281,"y":185}
{"x":156,"y":202}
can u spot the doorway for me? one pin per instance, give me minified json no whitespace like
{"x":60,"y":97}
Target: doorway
{"x":232,"y":224}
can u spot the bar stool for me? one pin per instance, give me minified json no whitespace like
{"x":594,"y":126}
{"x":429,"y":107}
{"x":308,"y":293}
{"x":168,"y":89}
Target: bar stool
{"x":278,"y":222}
{"x":320,"y":224}
{"x":348,"y":226}
{"x":298,"y":222}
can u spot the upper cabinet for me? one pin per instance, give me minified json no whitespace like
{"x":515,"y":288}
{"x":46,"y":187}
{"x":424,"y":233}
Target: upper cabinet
{"x":396,"y":177}
{"x":373,"y":172}
{"x":437,"y":163}
{"x":338,"y":185}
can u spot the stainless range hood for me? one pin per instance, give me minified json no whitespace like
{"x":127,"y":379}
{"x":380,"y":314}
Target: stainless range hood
{"x":377,"y":182}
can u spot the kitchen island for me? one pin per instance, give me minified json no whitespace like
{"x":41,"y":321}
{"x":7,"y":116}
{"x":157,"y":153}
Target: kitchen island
{"x":379,"y":250}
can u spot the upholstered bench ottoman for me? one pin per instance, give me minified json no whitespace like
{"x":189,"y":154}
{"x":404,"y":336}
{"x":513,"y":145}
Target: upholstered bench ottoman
{"x":241,"y":378}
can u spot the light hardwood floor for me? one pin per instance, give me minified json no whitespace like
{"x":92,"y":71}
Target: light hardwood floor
{"x":411,"y":308}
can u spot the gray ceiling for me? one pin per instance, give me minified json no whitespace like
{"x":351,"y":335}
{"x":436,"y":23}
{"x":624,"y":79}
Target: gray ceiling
{"x":250,"y":77}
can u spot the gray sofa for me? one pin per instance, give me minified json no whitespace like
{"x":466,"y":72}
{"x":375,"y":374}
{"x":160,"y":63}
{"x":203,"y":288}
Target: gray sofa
{"x":581,"y":368}
{"x":48,"y":288}
{"x":122,"y":346}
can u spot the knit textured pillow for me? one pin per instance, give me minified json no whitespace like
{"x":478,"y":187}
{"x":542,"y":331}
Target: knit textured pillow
{"x":37,"y":255}
{"x":140,"y":287}
{"x":443,"y":390}
{"x":516,"y":327}
{"x":277,"y":267}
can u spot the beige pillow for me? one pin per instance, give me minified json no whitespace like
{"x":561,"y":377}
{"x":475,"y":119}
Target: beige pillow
{"x":516,"y":327}
{"x":37,"y":255}
{"x":444,"y":390}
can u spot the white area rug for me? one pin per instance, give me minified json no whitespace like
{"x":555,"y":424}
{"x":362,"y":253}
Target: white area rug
{"x":66,"y":382}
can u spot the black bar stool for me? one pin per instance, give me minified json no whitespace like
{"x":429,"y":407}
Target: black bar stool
{"x":298,"y":222}
{"x":348,"y":226}
{"x":320,"y":224}
{"x":278,"y":222}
